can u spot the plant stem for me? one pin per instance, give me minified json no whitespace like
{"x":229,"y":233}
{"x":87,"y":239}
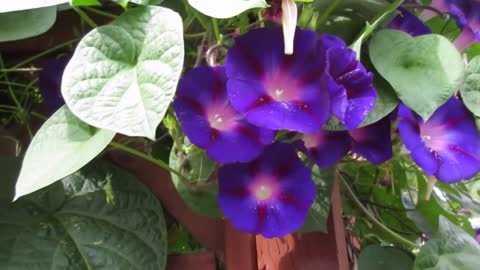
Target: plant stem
{"x":85,"y":17}
{"x":42,"y":54}
{"x":370,"y":217}
{"x":196,"y":35}
{"x":19,"y":69}
{"x":9,"y":87}
{"x":140,"y":154}
{"x":216,"y":30}
{"x":101,"y":12}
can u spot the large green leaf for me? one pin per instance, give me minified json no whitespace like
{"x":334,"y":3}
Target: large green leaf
{"x":69,"y":225}
{"x":424,"y":71}
{"x":16,"y":5}
{"x":346,"y":18}
{"x":9,"y":168}
{"x":451,"y":249}
{"x":123,"y":76}
{"x":201,"y":189}
{"x":470,"y":89}
{"x":22,"y":24}
{"x":375,"y":257}
{"x":225,"y":9}
{"x":63,"y":145}
{"x":316,"y":220}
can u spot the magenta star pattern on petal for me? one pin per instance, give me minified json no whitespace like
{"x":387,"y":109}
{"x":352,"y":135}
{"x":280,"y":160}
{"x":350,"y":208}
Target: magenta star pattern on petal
{"x":275,"y":90}
{"x":210,"y":122}
{"x":447,"y":145}
{"x":270,"y":196}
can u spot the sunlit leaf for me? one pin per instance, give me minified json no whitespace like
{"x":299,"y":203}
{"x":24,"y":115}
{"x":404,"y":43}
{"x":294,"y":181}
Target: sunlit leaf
{"x":123,"y":76}
{"x":225,"y":9}
{"x":63,"y":145}
{"x":424,"y":71}
{"x":22,"y":24}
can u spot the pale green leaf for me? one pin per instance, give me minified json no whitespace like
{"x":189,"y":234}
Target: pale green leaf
{"x":470,"y":89}
{"x":424,"y":71}
{"x":22,"y":24}
{"x":69,"y":225}
{"x":16,"y":5}
{"x":451,"y":249}
{"x":222,"y":9}
{"x":123,"y":76}
{"x":375,"y":257}
{"x":63,"y":145}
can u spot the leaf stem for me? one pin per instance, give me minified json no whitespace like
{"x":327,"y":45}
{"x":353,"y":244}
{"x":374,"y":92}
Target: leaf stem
{"x":216,"y":30}
{"x":19,"y":69}
{"x":85,"y":17}
{"x":140,"y":154}
{"x":370,"y":217}
{"x":101,"y":12}
{"x":42,"y":54}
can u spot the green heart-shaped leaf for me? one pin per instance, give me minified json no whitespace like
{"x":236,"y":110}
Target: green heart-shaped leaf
{"x":225,"y":9}
{"x":424,"y":71}
{"x":471,"y":86}
{"x":123,"y":76}
{"x":63,"y":145}
{"x":28,"y":4}
{"x":451,"y":248}
{"x":376,"y":257}
{"x":70,"y":225}
{"x":22,"y":24}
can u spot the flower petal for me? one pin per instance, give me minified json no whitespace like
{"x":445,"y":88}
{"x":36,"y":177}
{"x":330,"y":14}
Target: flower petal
{"x":409,"y":23}
{"x":373,"y":142}
{"x":325,"y":148}
{"x":210,"y":122}
{"x":274,"y":90}
{"x":446,"y":145}
{"x":269,"y":196}
{"x":350,"y":85}
{"x":50,"y":80}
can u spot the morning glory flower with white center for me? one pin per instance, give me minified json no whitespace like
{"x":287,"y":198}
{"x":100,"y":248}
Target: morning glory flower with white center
{"x":210,"y":122}
{"x":270,"y":196}
{"x":447,"y":145}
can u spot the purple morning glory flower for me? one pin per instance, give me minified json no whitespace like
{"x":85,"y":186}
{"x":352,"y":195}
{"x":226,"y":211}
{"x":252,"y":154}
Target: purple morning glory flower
{"x":50,"y":80}
{"x":270,"y":196}
{"x":447,"y":145}
{"x":409,"y":23}
{"x":467,"y":15}
{"x":349,"y":84}
{"x":372,"y":142}
{"x":274,"y":90}
{"x":210,"y":122}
